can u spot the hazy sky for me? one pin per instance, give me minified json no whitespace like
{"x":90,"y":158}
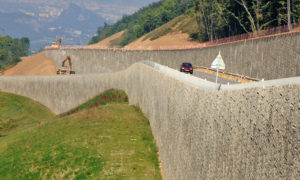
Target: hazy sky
{"x":111,"y":10}
{"x":76,"y":21}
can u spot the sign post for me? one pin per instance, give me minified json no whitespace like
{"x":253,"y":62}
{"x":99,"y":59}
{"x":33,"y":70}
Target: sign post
{"x":218,"y":66}
{"x":218,"y":63}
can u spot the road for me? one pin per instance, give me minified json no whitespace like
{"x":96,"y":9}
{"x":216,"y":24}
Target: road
{"x":212,"y":78}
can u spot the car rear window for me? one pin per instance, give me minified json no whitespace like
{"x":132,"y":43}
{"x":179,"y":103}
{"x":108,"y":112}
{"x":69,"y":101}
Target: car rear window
{"x":187,"y":64}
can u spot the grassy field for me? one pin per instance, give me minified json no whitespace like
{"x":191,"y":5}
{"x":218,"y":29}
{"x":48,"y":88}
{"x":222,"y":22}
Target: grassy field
{"x":104,"y":138}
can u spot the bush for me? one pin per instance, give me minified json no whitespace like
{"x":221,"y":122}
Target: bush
{"x":12,"y":49}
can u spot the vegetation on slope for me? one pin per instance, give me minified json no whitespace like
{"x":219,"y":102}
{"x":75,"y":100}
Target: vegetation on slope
{"x":222,"y":18}
{"x":183,"y":23}
{"x":19,"y":113}
{"x":104,"y":139}
{"x":11,"y":50}
{"x":143,"y":21}
{"x":214,"y":18}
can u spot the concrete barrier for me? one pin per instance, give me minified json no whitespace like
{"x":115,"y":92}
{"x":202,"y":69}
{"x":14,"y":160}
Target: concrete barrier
{"x":272,"y":58}
{"x":203,"y":131}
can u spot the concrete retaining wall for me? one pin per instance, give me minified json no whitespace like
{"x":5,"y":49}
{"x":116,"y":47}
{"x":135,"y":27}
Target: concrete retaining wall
{"x":202,"y":133}
{"x":272,"y":58}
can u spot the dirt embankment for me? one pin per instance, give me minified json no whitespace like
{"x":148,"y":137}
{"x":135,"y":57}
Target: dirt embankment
{"x":37,"y":64}
{"x":170,"y":40}
{"x":172,"y":35}
{"x":109,"y":42}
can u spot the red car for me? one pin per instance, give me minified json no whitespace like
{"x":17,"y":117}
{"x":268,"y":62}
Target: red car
{"x":186,"y":67}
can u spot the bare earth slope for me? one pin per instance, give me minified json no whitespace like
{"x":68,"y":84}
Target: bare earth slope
{"x":37,"y":64}
{"x":107,"y":43}
{"x":171,"y":40}
{"x":172,"y":35}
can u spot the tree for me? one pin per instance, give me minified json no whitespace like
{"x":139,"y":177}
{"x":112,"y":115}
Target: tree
{"x":12,"y":49}
{"x":289,"y":14}
{"x":257,"y":13}
{"x":295,"y":11}
{"x":212,"y":19}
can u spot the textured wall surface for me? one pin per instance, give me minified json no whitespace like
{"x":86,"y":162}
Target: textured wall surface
{"x":272,"y":58}
{"x":239,"y":132}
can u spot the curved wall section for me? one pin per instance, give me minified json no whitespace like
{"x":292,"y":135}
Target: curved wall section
{"x":271,"y":58}
{"x":202,"y":133}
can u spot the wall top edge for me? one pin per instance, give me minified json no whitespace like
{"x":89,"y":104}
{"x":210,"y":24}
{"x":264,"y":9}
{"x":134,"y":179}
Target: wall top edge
{"x":185,"y":78}
{"x":203,"y":84}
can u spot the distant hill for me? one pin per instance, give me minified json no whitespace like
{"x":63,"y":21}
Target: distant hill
{"x":75,"y":25}
{"x":75,"y":21}
{"x":11,"y":22}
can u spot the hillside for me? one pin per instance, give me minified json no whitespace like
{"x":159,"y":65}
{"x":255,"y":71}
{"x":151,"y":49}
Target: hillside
{"x":175,"y":33}
{"x":209,"y":20}
{"x":18,"y":113}
{"x":109,"y":42}
{"x":143,"y":21}
{"x":37,"y":64}
{"x":103,"y":139}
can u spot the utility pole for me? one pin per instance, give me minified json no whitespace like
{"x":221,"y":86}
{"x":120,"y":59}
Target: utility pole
{"x":289,"y":14}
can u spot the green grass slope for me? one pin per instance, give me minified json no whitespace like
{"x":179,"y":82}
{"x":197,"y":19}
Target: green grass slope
{"x":19,"y":113}
{"x":104,"y":138}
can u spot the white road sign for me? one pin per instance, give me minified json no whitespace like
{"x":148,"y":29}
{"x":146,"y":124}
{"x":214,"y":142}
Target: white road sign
{"x":218,"y":63}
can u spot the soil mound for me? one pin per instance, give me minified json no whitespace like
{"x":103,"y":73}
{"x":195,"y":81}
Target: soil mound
{"x":37,"y":64}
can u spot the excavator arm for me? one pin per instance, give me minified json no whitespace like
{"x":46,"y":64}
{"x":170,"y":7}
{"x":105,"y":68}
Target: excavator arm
{"x":70,"y":64}
{"x":63,"y":70}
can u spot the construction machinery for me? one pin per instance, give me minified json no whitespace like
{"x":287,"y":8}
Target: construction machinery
{"x":57,"y":45}
{"x":66,"y":69}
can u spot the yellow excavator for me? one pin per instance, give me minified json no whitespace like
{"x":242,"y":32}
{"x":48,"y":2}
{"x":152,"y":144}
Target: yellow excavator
{"x":65,"y":69}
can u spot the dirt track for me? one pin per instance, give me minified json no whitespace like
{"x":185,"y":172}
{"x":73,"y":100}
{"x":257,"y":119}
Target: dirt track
{"x":37,"y":64}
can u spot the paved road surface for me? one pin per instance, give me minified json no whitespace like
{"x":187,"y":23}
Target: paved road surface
{"x":212,"y":78}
